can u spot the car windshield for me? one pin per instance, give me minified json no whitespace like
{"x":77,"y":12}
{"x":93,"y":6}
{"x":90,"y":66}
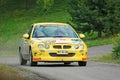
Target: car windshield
{"x":53,"y":31}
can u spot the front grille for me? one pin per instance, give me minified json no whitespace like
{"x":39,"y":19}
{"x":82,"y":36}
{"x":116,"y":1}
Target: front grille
{"x":62,"y":46}
{"x":62,"y":55}
{"x":57,"y":46}
{"x":66,"y":47}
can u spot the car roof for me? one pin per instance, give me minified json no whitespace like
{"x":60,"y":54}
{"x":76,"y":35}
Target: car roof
{"x":50,"y":23}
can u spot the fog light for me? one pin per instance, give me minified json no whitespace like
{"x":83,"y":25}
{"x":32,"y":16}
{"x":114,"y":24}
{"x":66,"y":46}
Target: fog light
{"x":47,"y":46}
{"x":40,"y":46}
{"x":81,"y":46}
{"x":76,"y":46}
{"x":35,"y":54}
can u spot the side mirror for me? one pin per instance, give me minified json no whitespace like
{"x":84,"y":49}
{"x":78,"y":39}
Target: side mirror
{"x":26,"y":36}
{"x":81,"y":36}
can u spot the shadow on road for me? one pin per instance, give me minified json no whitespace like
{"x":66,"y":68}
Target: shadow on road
{"x":55,"y":65}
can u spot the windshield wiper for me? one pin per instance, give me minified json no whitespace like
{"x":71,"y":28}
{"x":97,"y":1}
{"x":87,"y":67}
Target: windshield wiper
{"x":60,"y":36}
{"x":39,"y":36}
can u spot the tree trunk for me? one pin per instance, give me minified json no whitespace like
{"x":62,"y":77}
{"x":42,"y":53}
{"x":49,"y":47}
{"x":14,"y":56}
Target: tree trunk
{"x":99,"y":34}
{"x":27,"y":5}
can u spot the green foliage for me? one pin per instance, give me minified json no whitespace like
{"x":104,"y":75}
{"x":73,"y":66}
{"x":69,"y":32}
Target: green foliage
{"x":116,"y":48}
{"x":98,"y":15}
{"x":90,"y":12}
{"x":92,"y":35}
{"x":77,"y":11}
{"x":46,"y":4}
{"x":2,"y":2}
{"x":98,"y":41}
{"x":112,"y":25}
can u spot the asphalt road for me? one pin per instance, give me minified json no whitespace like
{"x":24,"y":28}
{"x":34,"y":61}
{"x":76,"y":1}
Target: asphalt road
{"x":93,"y":70}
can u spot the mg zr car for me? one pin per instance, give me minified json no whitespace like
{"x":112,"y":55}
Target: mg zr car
{"x":52,"y":42}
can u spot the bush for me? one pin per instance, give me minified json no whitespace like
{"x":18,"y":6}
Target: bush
{"x":116,"y":48}
{"x":92,"y":35}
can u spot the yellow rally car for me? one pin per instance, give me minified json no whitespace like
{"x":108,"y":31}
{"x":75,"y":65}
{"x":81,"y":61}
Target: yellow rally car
{"x":52,"y":42}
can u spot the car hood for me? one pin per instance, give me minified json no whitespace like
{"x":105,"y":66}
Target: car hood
{"x":58,"y":40}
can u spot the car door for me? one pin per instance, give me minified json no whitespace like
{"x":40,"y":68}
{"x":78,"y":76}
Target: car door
{"x":26,"y":44}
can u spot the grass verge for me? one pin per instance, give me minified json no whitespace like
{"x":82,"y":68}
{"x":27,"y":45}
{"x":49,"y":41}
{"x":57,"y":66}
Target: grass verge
{"x":99,"y":41}
{"x":106,"y":58}
{"x":7,"y":73}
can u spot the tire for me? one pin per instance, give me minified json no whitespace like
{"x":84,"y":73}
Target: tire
{"x":22,"y":60}
{"x":31,"y":62}
{"x":81,"y":63}
{"x":67,"y":63}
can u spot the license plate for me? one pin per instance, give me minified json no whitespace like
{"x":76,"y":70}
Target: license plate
{"x":62,"y":52}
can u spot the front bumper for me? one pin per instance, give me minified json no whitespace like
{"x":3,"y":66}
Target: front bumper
{"x":54,"y":56}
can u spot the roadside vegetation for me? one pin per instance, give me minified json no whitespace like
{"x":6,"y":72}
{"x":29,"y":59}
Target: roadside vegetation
{"x":8,"y":73}
{"x":108,"y":58}
{"x":101,"y":16}
{"x":113,"y":57}
{"x":116,"y":47}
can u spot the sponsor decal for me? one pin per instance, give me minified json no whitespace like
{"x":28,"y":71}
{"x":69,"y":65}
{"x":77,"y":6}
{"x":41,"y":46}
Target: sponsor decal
{"x":61,"y":41}
{"x":49,"y":41}
{"x":76,"y":41}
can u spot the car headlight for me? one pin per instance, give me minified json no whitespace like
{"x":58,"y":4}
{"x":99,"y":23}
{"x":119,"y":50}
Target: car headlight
{"x":76,"y":46}
{"x":81,"y":46}
{"x":47,"y":46}
{"x":40,"y":46}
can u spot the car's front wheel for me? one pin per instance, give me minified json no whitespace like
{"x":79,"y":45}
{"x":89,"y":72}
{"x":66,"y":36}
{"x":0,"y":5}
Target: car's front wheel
{"x":31,"y":60}
{"x":82,"y":63}
{"x":22,"y":60}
